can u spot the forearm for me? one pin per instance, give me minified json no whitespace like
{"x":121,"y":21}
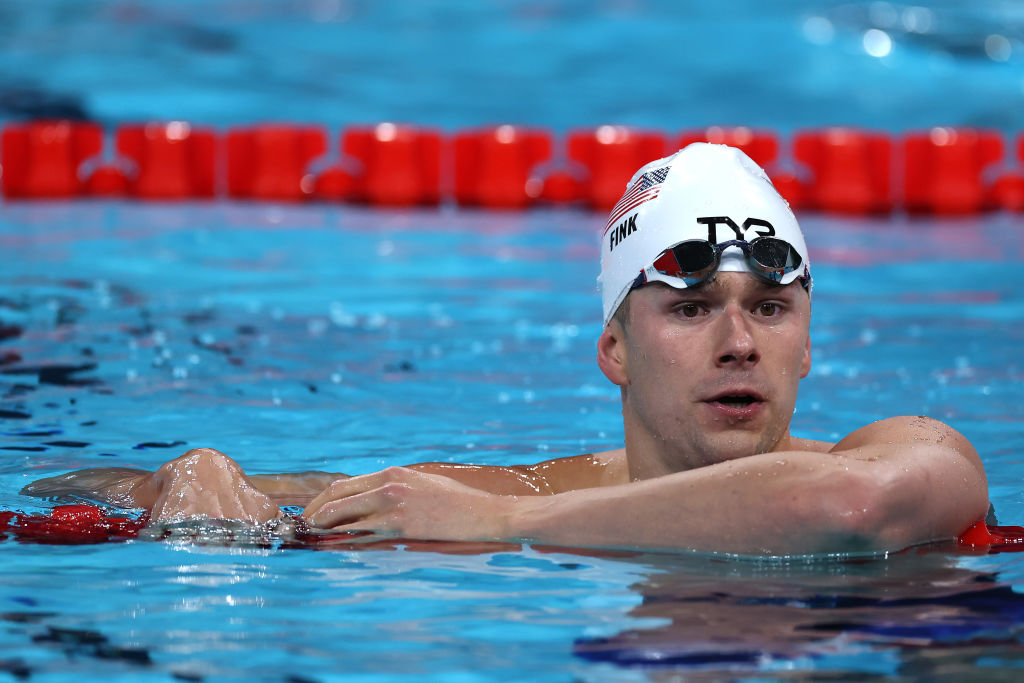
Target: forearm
{"x":132,"y":488}
{"x":118,"y":486}
{"x":725,"y":508}
{"x":678,"y":511}
{"x":498,"y":480}
{"x":781,"y":503}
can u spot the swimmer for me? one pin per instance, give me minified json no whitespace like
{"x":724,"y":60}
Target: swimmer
{"x":706,"y":290}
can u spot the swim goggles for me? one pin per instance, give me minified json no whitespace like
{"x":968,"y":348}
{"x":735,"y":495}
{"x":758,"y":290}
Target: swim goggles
{"x":694,"y":261}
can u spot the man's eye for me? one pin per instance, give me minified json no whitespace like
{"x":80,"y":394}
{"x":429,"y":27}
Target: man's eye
{"x":689,"y":310}
{"x":768,"y":310}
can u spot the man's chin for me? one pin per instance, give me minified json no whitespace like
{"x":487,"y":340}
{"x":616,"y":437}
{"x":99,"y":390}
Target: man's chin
{"x":736,"y":444}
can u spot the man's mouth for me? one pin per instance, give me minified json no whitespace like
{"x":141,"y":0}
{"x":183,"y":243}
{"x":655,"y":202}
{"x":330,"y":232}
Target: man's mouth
{"x":737,"y":404}
{"x":736,"y":400}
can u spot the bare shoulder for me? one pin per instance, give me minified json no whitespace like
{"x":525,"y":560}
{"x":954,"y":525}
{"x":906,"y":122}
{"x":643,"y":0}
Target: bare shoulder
{"x":604,"y":468}
{"x":615,"y":464}
{"x":613,"y":458}
{"x":910,"y":436}
{"x":907,"y":429}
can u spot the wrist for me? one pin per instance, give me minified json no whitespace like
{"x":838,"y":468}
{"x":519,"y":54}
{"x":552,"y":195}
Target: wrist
{"x":522,"y":517}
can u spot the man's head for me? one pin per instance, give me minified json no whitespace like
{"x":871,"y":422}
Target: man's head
{"x":714,"y":272}
{"x":710,"y":194}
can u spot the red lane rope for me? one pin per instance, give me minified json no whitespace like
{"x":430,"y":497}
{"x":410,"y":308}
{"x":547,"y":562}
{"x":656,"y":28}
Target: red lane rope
{"x":996,"y":539}
{"x":81,"y":524}
{"x":836,"y":170}
{"x":70,"y":525}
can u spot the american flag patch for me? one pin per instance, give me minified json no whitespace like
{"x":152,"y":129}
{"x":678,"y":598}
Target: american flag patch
{"x":644,"y":189}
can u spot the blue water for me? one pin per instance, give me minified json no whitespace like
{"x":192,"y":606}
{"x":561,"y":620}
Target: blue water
{"x":347,"y":339}
{"x":339,"y":338}
{"x":563,"y":63}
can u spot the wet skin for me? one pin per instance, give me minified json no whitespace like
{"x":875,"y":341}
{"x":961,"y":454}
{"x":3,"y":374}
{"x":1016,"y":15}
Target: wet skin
{"x":708,"y":374}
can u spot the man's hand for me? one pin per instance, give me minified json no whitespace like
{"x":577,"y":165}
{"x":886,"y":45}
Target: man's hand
{"x":206,"y":483}
{"x":404,"y":503}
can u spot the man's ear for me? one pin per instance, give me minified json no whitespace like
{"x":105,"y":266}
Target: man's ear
{"x":611,"y":353}
{"x":805,"y":363}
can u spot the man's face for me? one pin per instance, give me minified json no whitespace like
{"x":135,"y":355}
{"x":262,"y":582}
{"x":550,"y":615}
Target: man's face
{"x":711,"y":373}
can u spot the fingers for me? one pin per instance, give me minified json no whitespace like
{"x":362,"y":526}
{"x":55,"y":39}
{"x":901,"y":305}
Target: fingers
{"x":351,"y":486}
{"x":370,"y":501}
{"x":370,"y":510}
{"x":403,"y":503}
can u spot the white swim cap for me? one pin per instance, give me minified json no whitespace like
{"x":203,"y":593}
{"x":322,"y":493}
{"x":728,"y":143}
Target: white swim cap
{"x":702,"y":192}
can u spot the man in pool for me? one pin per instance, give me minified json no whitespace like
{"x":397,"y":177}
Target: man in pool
{"x":706,"y":286}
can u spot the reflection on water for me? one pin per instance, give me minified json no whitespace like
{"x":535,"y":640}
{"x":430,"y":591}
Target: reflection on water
{"x":914,"y":613}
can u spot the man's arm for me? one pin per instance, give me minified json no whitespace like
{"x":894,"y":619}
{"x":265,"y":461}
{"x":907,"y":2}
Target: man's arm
{"x":887,"y":486}
{"x":548,"y":477}
{"x":133,"y":488}
{"x":544,"y":478}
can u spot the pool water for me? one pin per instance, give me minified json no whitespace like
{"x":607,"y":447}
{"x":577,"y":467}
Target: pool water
{"x":662,"y":64}
{"x":342,"y":338}
{"x":346,"y":339}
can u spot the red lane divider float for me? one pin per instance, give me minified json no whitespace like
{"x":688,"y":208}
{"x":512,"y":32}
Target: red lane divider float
{"x":850,"y":170}
{"x":399,"y":165}
{"x":80,"y":524}
{"x":834,"y":170}
{"x":496,"y":167}
{"x":68,"y":525}
{"x":944,"y":168}
{"x":171,"y":161}
{"x":993,"y":539}
{"x":41,"y":159}
{"x":271,"y":162}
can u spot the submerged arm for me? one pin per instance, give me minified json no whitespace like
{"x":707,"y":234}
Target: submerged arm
{"x":132,"y":488}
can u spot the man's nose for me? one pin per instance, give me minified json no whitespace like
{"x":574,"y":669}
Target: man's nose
{"x":736,"y":345}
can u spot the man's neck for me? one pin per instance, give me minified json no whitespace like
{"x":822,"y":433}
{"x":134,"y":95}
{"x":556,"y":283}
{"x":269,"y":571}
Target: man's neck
{"x":648,"y":456}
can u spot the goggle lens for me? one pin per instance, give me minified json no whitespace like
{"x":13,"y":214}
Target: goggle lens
{"x":775,"y":254}
{"x":695,"y":260}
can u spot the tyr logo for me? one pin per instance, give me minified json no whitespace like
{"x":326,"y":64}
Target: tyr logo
{"x":761,"y":227}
